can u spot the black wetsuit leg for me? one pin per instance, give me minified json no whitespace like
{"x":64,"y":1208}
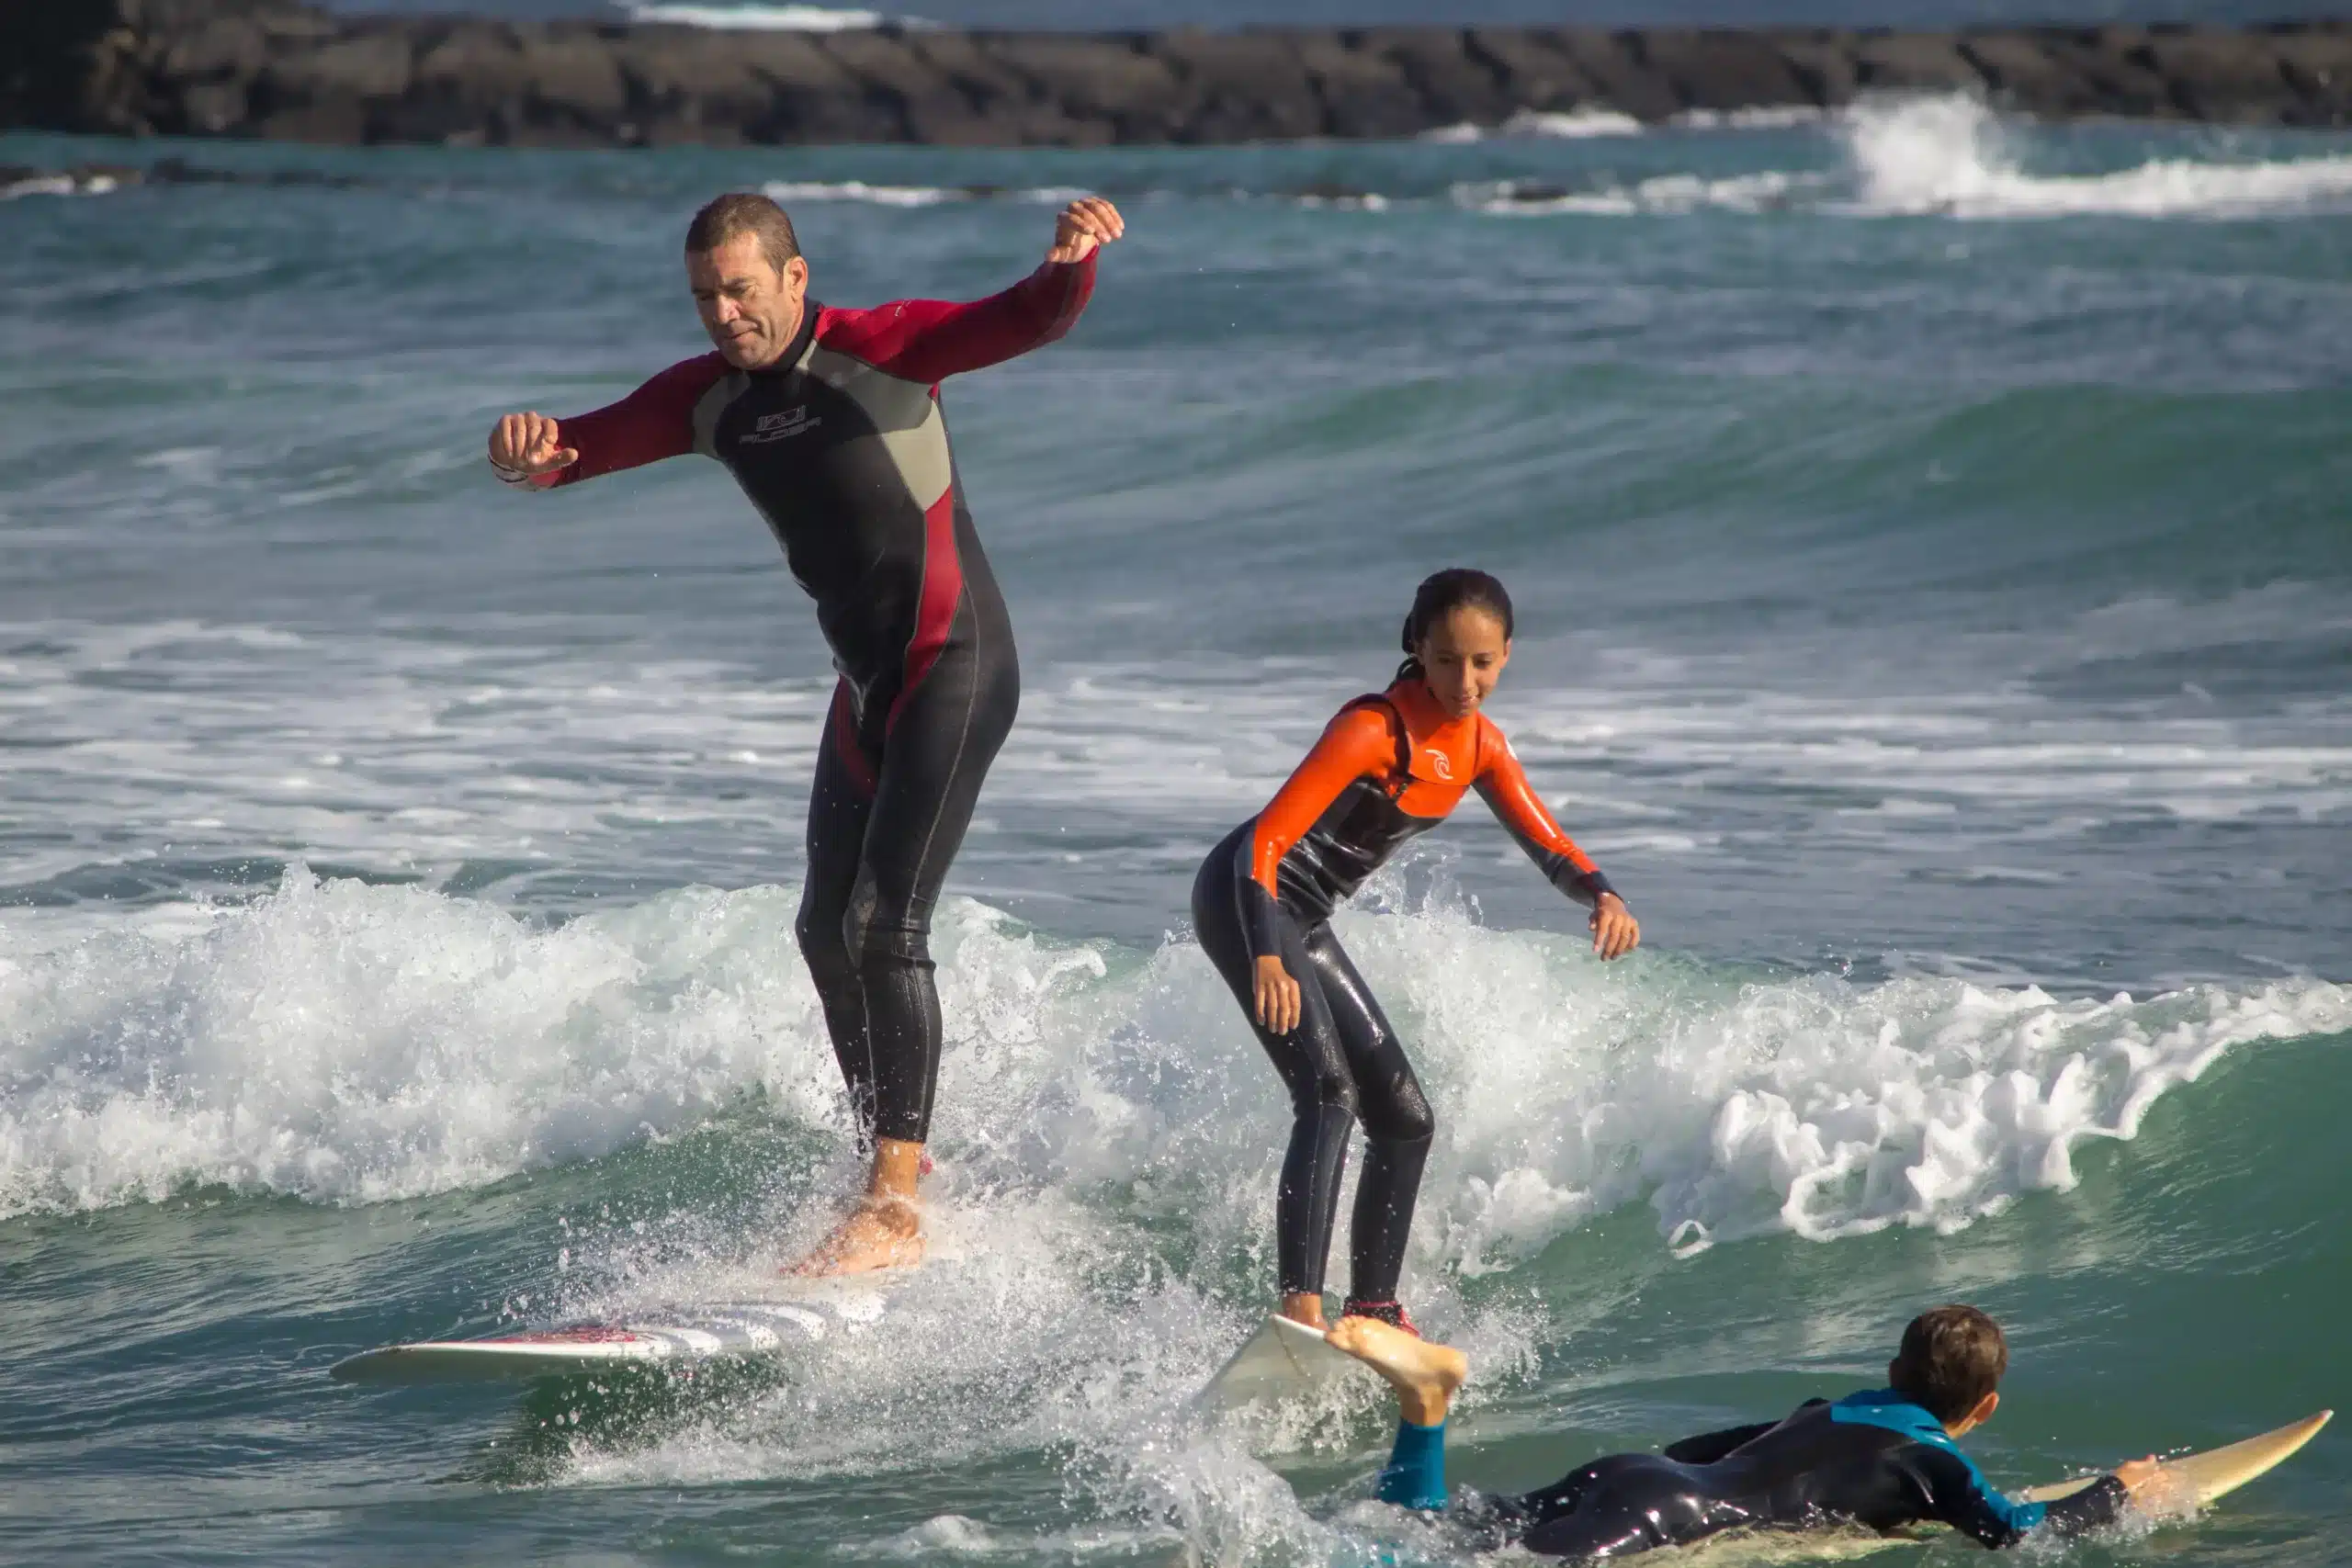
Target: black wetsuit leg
{"x":1620,"y":1505}
{"x":892,"y":799}
{"x":1397,"y":1124}
{"x":1342,"y":1061}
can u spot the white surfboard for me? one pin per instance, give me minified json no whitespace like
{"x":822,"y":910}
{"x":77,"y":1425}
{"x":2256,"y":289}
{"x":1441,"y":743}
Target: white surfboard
{"x":671,"y":1336}
{"x":2204,"y":1479}
{"x":1282,"y":1361}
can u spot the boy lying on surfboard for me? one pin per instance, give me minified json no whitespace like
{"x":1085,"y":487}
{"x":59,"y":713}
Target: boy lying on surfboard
{"x":1881,"y":1458}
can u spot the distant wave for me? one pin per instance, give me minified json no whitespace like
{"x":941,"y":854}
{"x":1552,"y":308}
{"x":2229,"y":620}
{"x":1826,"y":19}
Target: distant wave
{"x":1568,"y":125}
{"x":1768,"y":117}
{"x":914,"y":196}
{"x":1942,"y":157}
{"x":1665,"y":194}
{"x":1951,"y":156}
{"x":767,"y":18}
{"x":70,"y":183}
{"x":1580,"y":123}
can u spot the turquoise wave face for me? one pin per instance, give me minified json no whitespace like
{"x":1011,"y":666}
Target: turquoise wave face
{"x":1929,"y":547}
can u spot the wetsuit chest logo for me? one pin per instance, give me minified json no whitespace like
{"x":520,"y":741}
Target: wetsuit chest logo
{"x":780,"y":426}
{"x":1440,"y":764}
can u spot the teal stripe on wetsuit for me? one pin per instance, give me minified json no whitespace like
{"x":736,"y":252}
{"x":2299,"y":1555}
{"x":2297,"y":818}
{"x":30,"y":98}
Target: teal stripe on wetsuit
{"x":1885,"y":1408}
{"x":1416,"y":1474}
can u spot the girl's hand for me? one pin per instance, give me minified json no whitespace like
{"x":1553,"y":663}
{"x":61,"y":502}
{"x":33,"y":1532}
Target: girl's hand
{"x":1615,"y":933}
{"x":1277,"y":996}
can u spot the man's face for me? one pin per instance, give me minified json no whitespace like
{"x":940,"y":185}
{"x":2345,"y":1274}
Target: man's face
{"x":749,"y":310}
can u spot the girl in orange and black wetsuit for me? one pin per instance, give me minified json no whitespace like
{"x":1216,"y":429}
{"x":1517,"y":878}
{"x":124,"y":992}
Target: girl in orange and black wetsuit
{"x":1388,"y":767}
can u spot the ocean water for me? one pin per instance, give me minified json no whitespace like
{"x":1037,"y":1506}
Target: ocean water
{"x":1932,"y":552}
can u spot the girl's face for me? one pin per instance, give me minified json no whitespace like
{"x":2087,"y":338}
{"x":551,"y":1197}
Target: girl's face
{"x":1462,"y":655}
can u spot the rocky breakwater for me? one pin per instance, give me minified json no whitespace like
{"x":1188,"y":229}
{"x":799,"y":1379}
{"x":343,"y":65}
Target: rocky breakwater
{"x":276,"y":69}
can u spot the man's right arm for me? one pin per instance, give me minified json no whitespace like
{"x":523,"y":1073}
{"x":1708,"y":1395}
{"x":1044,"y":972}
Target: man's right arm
{"x":656,"y":420}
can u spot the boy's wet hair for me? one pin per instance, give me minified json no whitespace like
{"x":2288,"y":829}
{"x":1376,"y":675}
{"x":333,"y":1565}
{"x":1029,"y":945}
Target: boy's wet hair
{"x":1952,"y":1358}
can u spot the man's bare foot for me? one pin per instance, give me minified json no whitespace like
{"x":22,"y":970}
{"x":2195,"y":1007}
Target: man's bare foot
{"x":1302,"y":1306}
{"x":881,"y":1233}
{"x":1424,"y":1375}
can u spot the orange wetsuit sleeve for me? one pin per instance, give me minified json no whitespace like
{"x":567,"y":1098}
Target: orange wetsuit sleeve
{"x":1503,"y":785}
{"x":1360,"y":741}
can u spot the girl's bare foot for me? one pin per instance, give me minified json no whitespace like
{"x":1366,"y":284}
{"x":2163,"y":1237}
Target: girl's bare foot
{"x":881,"y":1233}
{"x":1424,"y":1375}
{"x":1302,"y":1306}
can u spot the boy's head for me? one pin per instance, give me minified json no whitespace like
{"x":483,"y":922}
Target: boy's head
{"x":1951,"y":1361}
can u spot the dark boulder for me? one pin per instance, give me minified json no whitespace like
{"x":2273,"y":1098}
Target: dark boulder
{"x":1620,"y":69}
{"x":1362,"y":94}
{"x":1723,"y":71}
{"x":1106,"y":89}
{"x":1242,"y":86}
{"x":1823,"y":63}
{"x":1454,"y":85}
{"x":1912,"y":63}
{"x":1532,"y":70}
{"x":282,"y":69}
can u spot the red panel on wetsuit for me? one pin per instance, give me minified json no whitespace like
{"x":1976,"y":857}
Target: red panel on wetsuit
{"x":942,"y":586}
{"x":657,"y":420}
{"x":925,"y":340}
{"x":844,"y":727}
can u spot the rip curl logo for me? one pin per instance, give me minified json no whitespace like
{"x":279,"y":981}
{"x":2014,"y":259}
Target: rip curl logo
{"x":777,"y":426}
{"x":1442,"y":764}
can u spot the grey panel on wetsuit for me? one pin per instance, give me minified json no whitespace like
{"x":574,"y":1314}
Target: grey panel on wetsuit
{"x":711,"y":404}
{"x":905,"y":415}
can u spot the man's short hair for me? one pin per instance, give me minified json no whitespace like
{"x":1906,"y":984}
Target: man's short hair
{"x":744,"y":213}
{"x":1952,"y":1358}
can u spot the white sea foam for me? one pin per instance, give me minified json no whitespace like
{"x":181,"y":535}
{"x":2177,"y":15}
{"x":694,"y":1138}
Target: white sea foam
{"x":859,"y":190}
{"x":61,"y":184}
{"x":1664,"y":195}
{"x":1952,"y":154}
{"x":1568,"y":125}
{"x":1908,"y":155}
{"x":767,"y":18}
{"x":1767,"y":117}
{"x":169,"y":748}
{"x":345,"y":1042}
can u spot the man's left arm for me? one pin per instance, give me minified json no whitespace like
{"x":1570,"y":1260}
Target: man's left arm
{"x":929,"y":340}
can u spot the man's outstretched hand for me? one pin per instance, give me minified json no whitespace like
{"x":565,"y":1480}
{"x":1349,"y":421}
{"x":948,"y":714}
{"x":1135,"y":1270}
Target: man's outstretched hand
{"x":521,"y":445}
{"x":1083,"y":225}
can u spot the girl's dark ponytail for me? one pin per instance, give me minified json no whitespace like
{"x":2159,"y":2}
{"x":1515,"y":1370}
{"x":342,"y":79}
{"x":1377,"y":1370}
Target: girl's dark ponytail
{"x":1440,"y":595}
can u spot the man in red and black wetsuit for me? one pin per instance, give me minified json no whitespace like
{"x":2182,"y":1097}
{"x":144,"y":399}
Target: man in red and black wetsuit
{"x":830,"y":421}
